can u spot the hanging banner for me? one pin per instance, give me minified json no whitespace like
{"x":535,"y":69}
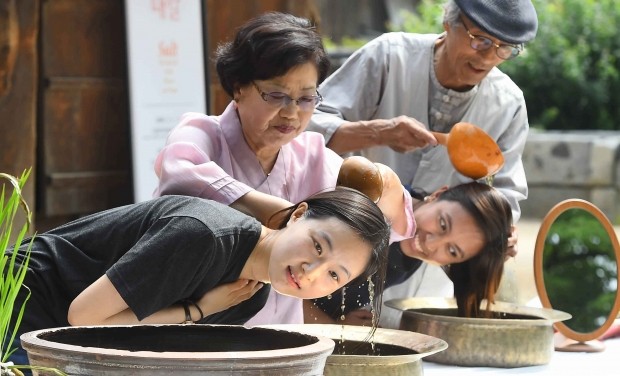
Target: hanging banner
{"x":166,"y":77}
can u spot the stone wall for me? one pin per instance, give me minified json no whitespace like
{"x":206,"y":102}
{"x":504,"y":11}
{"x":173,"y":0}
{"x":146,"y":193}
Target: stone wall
{"x":576,"y":164}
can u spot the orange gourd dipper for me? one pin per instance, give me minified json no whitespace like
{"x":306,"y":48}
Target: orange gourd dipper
{"x":472,"y":151}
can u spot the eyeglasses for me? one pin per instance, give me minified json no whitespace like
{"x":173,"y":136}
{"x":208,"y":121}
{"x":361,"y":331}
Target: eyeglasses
{"x":306,"y":103}
{"x":503,"y":51}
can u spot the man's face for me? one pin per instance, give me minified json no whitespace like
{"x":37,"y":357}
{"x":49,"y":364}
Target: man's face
{"x":465,"y":66}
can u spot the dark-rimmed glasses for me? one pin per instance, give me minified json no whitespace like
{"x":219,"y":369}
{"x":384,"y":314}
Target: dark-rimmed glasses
{"x":306,"y":103}
{"x":482,"y":43}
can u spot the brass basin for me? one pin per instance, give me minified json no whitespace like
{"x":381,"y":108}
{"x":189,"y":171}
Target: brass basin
{"x":401,"y":352}
{"x":517,"y":335}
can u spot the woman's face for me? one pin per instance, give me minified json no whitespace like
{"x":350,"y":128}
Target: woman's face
{"x":467,"y":67}
{"x":266,"y":126}
{"x":445,"y":234}
{"x":313,"y":258}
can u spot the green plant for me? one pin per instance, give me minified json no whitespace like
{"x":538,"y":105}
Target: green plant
{"x":570,"y":74}
{"x":12,"y":275}
{"x":428,"y":18}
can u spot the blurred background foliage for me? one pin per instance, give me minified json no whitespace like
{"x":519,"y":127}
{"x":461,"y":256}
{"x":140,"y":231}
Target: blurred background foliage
{"x":570,"y":74}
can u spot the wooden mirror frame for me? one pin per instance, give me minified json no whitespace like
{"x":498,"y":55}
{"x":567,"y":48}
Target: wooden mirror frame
{"x":549,"y":219}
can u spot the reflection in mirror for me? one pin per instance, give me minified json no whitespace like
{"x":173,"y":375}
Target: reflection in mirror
{"x":576,"y":269}
{"x":580,"y":270}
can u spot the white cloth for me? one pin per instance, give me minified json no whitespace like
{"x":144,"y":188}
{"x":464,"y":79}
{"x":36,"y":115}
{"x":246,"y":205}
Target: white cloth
{"x":603,"y":363}
{"x":428,"y":281}
{"x":390,"y":76}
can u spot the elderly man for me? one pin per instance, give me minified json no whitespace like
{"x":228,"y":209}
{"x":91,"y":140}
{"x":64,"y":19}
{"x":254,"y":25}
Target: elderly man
{"x":388,"y":95}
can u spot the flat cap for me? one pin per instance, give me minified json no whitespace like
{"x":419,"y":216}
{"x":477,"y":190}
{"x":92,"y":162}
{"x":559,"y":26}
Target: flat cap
{"x":511,"y":21}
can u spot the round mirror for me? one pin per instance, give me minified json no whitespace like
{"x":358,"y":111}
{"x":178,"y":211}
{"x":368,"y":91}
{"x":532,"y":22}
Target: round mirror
{"x":576,"y":270}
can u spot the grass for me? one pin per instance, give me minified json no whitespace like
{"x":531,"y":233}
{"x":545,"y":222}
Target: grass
{"x":13,"y":274}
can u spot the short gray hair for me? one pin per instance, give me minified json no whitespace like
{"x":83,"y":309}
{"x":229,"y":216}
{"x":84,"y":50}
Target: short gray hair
{"x":451,"y":13}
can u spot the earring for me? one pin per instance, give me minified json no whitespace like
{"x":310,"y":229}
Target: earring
{"x":427,"y":198}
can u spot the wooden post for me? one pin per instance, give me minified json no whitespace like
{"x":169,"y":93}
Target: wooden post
{"x":19,"y":28}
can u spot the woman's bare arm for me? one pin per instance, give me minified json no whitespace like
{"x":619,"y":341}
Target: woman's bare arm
{"x":101,"y":304}
{"x":262,"y":206}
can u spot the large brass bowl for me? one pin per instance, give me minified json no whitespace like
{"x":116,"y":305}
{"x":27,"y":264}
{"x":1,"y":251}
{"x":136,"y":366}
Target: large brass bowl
{"x":517,"y":335}
{"x":397,"y":352}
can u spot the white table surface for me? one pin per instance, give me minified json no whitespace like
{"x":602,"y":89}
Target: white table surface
{"x":604,"y":363}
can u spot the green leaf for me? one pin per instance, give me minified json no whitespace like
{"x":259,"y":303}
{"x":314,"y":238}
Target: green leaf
{"x":13,"y":274}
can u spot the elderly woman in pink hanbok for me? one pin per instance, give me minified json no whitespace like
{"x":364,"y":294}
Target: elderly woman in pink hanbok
{"x":271,"y":70}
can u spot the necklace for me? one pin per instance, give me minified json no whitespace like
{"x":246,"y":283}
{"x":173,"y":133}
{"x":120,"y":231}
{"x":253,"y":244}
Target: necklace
{"x":284,"y":192}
